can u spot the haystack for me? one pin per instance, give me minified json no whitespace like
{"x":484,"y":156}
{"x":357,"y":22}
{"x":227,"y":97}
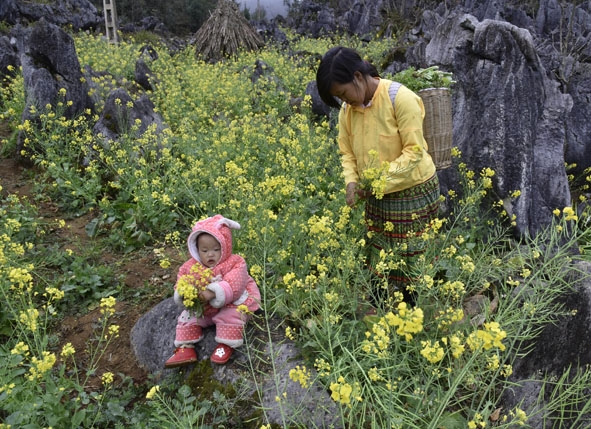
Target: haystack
{"x":225,"y":33}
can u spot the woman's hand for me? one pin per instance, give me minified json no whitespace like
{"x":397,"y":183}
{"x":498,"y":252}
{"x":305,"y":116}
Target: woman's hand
{"x":354,"y":193}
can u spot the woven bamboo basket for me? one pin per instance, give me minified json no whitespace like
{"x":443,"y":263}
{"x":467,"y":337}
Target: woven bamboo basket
{"x":437,"y":125}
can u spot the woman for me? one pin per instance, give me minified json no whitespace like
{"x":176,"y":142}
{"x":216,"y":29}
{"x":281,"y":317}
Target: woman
{"x":381,"y":126}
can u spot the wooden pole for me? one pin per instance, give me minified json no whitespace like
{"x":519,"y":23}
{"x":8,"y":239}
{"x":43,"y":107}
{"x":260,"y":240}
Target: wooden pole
{"x":111,"y":21}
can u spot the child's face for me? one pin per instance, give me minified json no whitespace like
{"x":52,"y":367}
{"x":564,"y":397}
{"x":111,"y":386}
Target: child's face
{"x":210,"y":250}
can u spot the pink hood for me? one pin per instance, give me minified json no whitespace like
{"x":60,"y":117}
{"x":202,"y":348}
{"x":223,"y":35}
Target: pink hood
{"x":220,"y":228}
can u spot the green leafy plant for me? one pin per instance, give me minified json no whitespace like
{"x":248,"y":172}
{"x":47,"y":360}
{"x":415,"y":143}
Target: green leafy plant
{"x":419,"y":79}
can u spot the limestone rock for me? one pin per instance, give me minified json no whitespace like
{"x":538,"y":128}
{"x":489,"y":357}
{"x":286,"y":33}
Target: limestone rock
{"x":152,"y":339}
{"x":80,"y":14}
{"x":8,"y":57}
{"x":50,"y":64}
{"x":318,"y":106}
{"x":143,"y":75}
{"x":121,"y":112}
{"x":560,"y":346}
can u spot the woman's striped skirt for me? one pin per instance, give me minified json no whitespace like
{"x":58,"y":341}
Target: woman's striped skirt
{"x":396,"y":222}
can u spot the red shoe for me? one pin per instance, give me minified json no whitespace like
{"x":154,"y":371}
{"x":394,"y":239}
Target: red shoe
{"x":221,"y":354}
{"x":182,"y":356}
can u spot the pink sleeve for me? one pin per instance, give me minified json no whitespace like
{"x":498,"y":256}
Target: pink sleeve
{"x":234,"y":281}
{"x":184,"y":270}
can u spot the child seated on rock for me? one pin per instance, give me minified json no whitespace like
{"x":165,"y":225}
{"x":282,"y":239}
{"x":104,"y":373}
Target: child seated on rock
{"x":219,"y":280}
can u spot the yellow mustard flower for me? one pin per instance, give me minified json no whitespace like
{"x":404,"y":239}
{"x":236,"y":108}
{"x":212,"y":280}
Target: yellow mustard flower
{"x":152,"y":392}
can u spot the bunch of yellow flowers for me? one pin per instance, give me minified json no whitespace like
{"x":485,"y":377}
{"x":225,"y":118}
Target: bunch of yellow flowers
{"x":374,"y":178}
{"x":189,"y":286}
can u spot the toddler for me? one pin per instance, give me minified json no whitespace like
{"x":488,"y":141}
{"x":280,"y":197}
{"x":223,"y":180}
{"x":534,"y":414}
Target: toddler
{"x":229,"y":295}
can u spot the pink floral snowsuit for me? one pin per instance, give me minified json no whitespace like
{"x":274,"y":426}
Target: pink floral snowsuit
{"x":231,"y":283}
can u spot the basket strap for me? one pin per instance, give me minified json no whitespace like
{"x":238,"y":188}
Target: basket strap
{"x":392,"y":91}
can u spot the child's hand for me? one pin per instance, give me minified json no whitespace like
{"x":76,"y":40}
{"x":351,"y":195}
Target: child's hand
{"x":178,"y":300}
{"x":206,"y":295}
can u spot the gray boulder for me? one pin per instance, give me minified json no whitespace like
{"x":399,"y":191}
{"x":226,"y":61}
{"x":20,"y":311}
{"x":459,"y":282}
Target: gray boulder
{"x":80,"y":14}
{"x":143,"y":75}
{"x":50,"y":63}
{"x":262,"y":365}
{"x":121,"y":113}
{"x":312,"y":19}
{"x":516,"y":114}
{"x":149,"y":23}
{"x":318,"y":106}
{"x":8,"y":57}
{"x":578,"y":130}
{"x":560,"y":347}
{"x":363,"y":18}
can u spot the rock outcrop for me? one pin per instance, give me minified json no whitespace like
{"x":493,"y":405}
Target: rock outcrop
{"x":264,"y":361}
{"x":51,"y":72}
{"x":121,"y":113}
{"x":80,"y":14}
{"x":8,"y":57}
{"x":516,"y":114}
{"x":561,"y":347}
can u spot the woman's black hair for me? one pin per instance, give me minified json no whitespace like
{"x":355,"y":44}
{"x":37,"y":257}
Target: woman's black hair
{"x":339,"y":65}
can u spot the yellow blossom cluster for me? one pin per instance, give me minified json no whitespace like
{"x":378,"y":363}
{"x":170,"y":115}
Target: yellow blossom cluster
{"x":375,"y":180}
{"x":477,"y":421}
{"x":446,"y":318}
{"x":67,"y":350}
{"x":491,"y":336}
{"x":20,"y":349}
{"x":40,"y":366}
{"x":322,"y":367}
{"x":153,"y":392}
{"x":300,"y":374}
{"x":278,"y":185}
{"x":113,"y":331}
{"x":407,"y":321}
{"x":432,"y":351}
{"x":256,"y":272}
{"x":453,"y":289}
{"x":568,"y":212}
{"x":449,"y":251}
{"x":29,"y":318}
{"x":321,"y":231}
{"x":343,"y":392}
{"x":378,"y":340}
{"x":291,"y":333}
{"x":519,"y":416}
{"x":189,"y":286}
{"x":53,"y":294}
{"x":466,"y":263}
{"x":107,"y":378}
{"x":388,"y":260}
{"x":107,"y":306}
{"x":455,"y":344}
{"x":486,"y":175}
{"x":21,"y":279}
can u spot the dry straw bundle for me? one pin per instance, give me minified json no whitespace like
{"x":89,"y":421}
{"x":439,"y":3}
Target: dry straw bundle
{"x":225,"y":33}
